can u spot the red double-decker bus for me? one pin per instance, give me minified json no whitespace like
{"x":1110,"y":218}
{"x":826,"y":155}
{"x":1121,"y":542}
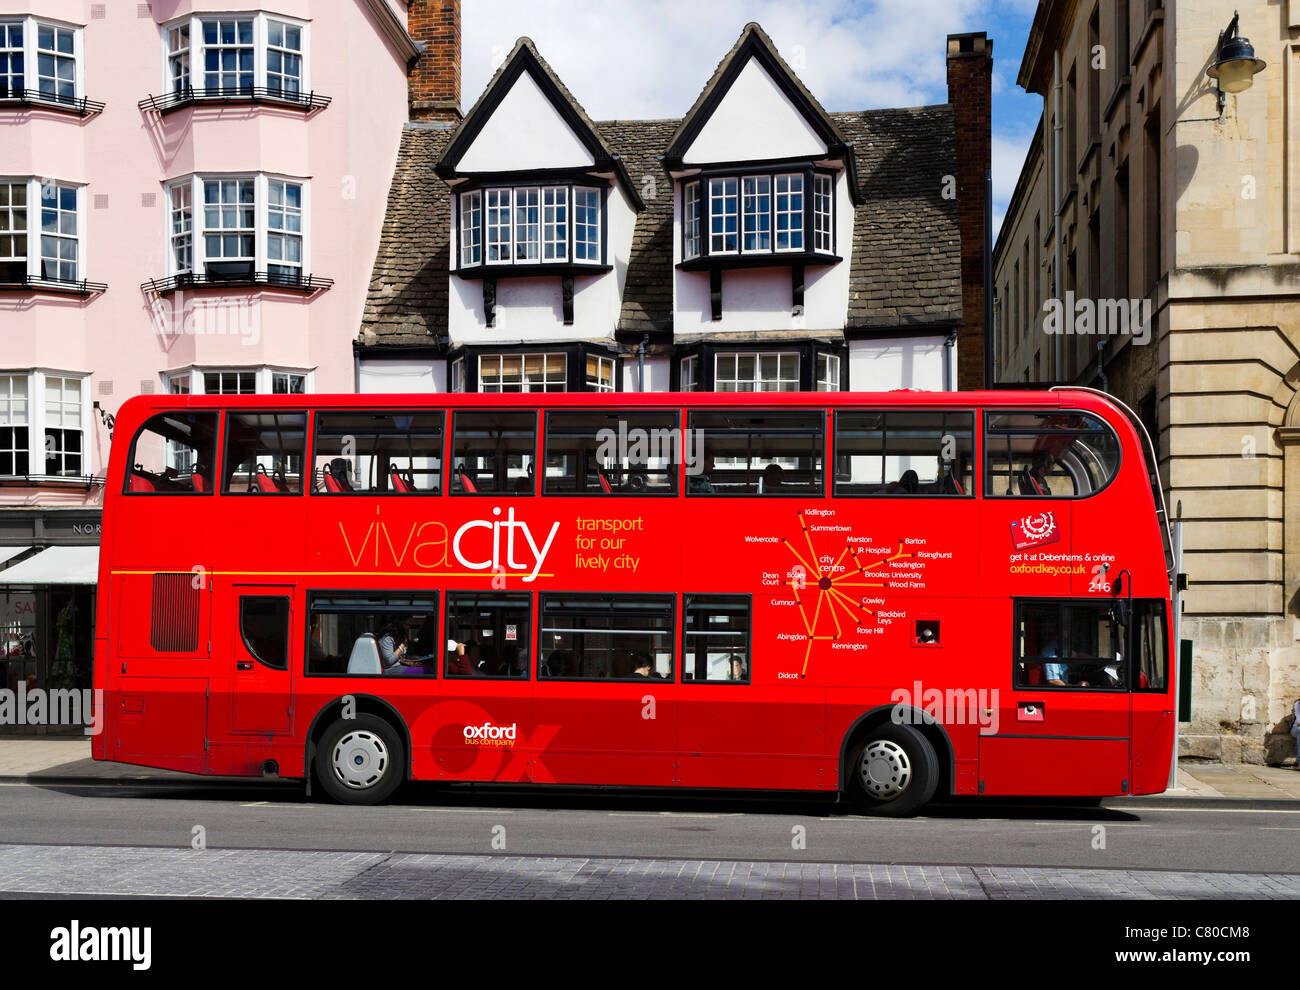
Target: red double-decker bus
{"x":888,"y":595}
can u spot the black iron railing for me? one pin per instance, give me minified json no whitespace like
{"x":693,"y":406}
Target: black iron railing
{"x":29,"y":283}
{"x":49,"y":101}
{"x":188,"y":97}
{"x":273,"y":280}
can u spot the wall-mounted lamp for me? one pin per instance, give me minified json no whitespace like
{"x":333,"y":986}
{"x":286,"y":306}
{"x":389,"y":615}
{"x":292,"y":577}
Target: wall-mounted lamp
{"x":1235,"y":64}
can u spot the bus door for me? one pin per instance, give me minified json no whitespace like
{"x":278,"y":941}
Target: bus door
{"x":1063,"y":727}
{"x":1152,"y":701}
{"x":263,"y":626}
{"x":158,"y":685}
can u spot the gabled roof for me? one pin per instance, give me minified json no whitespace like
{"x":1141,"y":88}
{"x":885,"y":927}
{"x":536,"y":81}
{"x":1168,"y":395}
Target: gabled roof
{"x":754,"y":43}
{"x":525,"y":58}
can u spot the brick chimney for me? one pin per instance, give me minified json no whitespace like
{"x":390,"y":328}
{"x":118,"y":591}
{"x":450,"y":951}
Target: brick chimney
{"x":970,"y":92}
{"x":433,"y":83}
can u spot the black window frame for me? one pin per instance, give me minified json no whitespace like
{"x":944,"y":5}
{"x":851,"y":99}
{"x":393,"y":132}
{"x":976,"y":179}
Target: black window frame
{"x":886,"y":412}
{"x":688,"y":598}
{"x":669,"y":598}
{"x":1064,"y":633}
{"x":218,"y":449}
{"x":987,"y":435}
{"x":288,"y":628}
{"x":314,"y":595}
{"x":318,"y":414}
{"x":820,"y":412}
{"x":525,"y":596}
{"x":673,"y":472}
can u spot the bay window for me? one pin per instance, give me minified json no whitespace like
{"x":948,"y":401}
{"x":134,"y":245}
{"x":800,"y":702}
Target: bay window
{"x":561,"y":367}
{"x":40,"y":62}
{"x":256,"y":55}
{"x":238,"y":381}
{"x":42,"y":232}
{"x":43,"y":423}
{"x":600,"y":373}
{"x":760,"y":214}
{"x":252,"y":228}
{"x":522,"y":373}
{"x":529,"y":225}
{"x":828,"y":373}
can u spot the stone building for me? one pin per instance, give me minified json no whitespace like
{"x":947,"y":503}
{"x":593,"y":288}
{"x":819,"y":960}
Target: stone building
{"x":1145,"y":193}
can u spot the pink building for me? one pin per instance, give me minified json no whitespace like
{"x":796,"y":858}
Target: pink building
{"x":191,"y":199}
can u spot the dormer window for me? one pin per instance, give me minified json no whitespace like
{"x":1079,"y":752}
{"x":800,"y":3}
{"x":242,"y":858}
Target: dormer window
{"x":753,"y":216}
{"x":530,"y":226}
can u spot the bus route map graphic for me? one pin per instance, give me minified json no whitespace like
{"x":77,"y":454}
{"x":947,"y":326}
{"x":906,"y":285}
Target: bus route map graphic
{"x":829,"y":580}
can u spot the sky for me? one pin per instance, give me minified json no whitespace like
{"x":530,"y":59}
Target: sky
{"x":649,"y":59}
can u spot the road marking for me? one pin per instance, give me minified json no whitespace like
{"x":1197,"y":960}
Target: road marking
{"x":1214,"y":811}
{"x":1277,"y":828}
{"x":671,"y":814}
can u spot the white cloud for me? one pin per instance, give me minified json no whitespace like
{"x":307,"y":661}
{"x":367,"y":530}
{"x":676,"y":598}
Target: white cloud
{"x":646,"y":61}
{"x":1009,"y":150}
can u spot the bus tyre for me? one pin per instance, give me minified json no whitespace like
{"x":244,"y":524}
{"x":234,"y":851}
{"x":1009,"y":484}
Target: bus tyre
{"x":892,"y":771}
{"x":360,"y":760}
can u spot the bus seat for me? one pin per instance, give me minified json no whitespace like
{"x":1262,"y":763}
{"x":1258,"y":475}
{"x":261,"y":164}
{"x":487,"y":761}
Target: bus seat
{"x":951,"y":486}
{"x":468,"y":483}
{"x":342,"y":474}
{"x":365,"y":656}
{"x":200,"y":483}
{"x":1034,"y":673}
{"x":142,"y":483}
{"x":604,"y":483}
{"x":399,"y":483}
{"x":1029,"y":485}
{"x":331,"y":482}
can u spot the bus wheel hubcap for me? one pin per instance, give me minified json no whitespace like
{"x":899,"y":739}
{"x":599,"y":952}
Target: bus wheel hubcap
{"x":360,"y":760}
{"x":885,"y":770}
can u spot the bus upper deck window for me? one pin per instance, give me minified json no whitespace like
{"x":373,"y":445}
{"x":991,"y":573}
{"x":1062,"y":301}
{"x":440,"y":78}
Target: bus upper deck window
{"x":493,"y":452}
{"x":394,"y":453}
{"x":1048,"y":455}
{"x":903,"y":453}
{"x":264,"y":453}
{"x":611,"y":453}
{"x":173,"y":454}
{"x":755,"y":453}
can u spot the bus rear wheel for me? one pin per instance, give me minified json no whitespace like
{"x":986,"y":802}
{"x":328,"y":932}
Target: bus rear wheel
{"x":892,"y":771}
{"x":360,"y":760}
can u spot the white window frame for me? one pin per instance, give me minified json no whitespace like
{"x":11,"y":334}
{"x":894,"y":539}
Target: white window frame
{"x":689,"y":378}
{"x":556,"y":225}
{"x":38,"y":420}
{"x":593,"y":244}
{"x":31,"y":66}
{"x":191,"y":379}
{"x":598,"y":383}
{"x":283,"y":50}
{"x":830,"y":382}
{"x":798,"y":216}
{"x":457,"y":375}
{"x":757,"y":381}
{"x":750,"y":192}
{"x":527,"y":220}
{"x":526,"y":384}
{"x":691,"y":219}
{"x":471,"y":228}
{"x":723,"y":214}
{"x":261,"y":219}
{"x":35,"y":204}
{"x":504,"y":223}
{"x":286,"y":232}
{"x":261,"y":45}
{"x":823,"y":220}
{"x":179,"y":61}
{"x":180,"y":216}
{"x":16,"y":413}
{"x":9,"y":50}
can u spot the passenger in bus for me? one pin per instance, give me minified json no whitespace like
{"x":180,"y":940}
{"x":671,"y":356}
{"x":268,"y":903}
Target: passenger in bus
{"x":908,"y":484}
{"x":392,"y":647}
{"x":642,"y":667}
{"x":1056,"y":673}
{"x":773,"y":479}
{"x":558,"y":664}
{"x":464,"y":662}
{"x":1033,"y":479}
{"x":735,"y":668}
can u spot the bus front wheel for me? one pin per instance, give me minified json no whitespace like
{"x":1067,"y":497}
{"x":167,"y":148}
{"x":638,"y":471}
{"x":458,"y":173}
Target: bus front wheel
{"x":360,"y":760}
{"x":892,"y":771}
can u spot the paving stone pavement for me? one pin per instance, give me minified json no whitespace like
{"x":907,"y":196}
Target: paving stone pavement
{"x":252,"y":873}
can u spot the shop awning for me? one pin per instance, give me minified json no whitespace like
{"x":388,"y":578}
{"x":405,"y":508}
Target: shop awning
{"x":9,"y":553}
{"x":56,"y":565}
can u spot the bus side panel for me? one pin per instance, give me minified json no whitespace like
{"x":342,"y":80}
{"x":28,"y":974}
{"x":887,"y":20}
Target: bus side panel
{"x":1052,"y":767}
{"x":160,"y":722}
{"x":1153,"y":747}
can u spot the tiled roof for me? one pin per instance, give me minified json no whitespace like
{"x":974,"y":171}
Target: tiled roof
{"x":906,"y":267}
{"x":407,"y":302}
{"x":906,"y":264}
